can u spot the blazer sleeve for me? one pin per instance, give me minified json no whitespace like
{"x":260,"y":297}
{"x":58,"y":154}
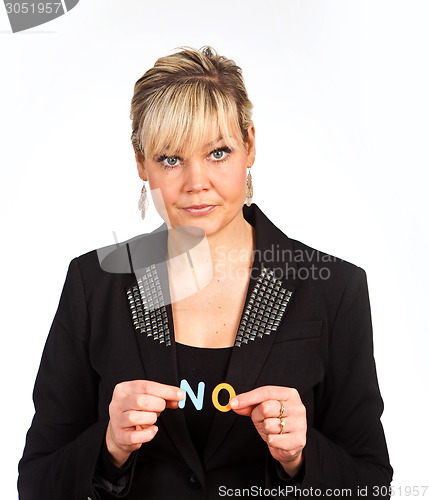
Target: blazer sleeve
{"x":66,"y":435}
{"x":346,"y":448}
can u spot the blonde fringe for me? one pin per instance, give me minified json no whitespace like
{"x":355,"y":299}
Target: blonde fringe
{"x":185,"y":101}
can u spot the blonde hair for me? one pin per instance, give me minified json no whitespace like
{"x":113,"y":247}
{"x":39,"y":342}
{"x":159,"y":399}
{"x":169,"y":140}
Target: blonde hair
{"x":185,"y":98}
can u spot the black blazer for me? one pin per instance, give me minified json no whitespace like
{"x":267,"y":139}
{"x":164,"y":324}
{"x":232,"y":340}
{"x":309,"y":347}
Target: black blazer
{"x":306,"y":324}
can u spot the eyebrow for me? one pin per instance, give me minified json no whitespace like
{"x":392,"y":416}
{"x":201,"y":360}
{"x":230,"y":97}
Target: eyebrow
{"x":208,"y":145}
{"x":213,"y":142}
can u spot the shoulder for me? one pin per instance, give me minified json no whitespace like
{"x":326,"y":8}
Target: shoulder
{"x":123,"y":257}
{"x":311,"y":261}
{"x":333,"y":279}
{"x":326,"y":285}
{"x":297,"y":261}
{"x":105,"y":267}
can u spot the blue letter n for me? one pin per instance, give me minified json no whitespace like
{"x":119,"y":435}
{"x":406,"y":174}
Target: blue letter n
{"x":197,"y":400}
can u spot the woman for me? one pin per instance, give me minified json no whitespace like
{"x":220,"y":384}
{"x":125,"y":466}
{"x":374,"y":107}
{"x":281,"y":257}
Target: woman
{"x":129,"y":400}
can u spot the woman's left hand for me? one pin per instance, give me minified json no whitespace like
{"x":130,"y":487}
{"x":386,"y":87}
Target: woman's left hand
{"x":285,"y":440}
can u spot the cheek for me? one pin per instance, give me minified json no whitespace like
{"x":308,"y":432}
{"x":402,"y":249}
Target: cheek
{"x":163,"y":193}
{"x":157,"y":181}
{"x":153,"y":178}
{"x":236,"y":181}
{"x":240,"y":175}
{"x":163,"y":198}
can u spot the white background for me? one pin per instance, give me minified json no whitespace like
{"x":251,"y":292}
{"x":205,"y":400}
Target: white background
{"x":340,"y":93}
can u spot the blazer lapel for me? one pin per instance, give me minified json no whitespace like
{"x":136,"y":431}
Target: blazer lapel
{"x":150,"y":305}
{"x":266,"y":304}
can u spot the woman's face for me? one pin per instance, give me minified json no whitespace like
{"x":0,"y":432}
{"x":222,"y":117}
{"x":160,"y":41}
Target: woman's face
{"x":206,"y":189}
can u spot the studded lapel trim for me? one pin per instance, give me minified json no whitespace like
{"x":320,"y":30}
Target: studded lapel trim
{"x":262,"y":315}
{"x":147,"y":307}
{"x":264,"y":309}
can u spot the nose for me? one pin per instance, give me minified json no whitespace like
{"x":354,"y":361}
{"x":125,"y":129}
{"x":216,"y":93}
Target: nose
{"x":196,"y":176}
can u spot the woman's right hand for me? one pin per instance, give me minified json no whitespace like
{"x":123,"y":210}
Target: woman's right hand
{"x":133,"y":411}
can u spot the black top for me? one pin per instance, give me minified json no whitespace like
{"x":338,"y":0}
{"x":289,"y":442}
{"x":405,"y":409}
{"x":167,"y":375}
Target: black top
{"x":207,"y":365}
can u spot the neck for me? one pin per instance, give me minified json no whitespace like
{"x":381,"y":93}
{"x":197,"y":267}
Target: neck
{"x":233,"y":244}
{"x":231,"y":247}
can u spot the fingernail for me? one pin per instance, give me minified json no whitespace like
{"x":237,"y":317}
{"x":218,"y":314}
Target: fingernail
{"x":233,"y":403}
{"x":180,"y":394}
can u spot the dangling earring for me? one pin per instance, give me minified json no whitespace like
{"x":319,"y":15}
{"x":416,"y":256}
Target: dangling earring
{"x":249,"y":189}
{"x":143,"y":201}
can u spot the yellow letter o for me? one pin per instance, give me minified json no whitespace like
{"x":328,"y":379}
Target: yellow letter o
{"x":215,"y":395}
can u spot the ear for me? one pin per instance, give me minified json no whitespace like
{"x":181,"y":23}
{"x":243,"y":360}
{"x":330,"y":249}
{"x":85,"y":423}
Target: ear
{"x":251,"y":151}
{"x":140,"y":165}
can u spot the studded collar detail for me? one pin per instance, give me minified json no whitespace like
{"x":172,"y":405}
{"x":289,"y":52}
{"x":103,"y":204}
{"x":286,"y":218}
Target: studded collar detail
{"x":261,"y":316}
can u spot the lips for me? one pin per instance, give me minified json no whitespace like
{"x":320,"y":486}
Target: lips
{"x":202,"y":209}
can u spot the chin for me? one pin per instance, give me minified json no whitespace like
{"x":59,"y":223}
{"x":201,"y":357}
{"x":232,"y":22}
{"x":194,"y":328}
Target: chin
{"x":211,"y":223}
{"x":209,"y":227}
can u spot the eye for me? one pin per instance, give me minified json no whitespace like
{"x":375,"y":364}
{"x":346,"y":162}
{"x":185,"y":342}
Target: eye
{"x":220,"y":154}
{"x":169,"y":162}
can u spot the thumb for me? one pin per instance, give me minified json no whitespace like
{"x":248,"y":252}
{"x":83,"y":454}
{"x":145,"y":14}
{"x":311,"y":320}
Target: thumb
{"x":246,"y":410}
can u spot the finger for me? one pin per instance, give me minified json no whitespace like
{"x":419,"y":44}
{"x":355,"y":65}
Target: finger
{"x":142,"y":402}
{"x":268,"y":409}
{"x":164,"y":391}
{"x":134,"y":438}
{"x":134,"y":418}
{"x":287,"y":444}
{"x":260,"y":394}
{"x":172,"y":404}
{"x":146,"y":402}
{"x":246,"y":411}
{"x":273,"y":426}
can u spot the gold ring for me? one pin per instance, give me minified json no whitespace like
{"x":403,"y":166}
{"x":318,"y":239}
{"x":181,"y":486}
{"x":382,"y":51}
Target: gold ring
{"x":281,"y":425}
{"x":282,"y":409}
